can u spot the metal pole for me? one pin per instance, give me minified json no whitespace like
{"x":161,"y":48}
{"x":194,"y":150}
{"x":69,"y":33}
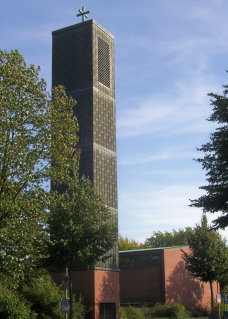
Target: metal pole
{"x":70,"y":291}
{"x":66,"y":292}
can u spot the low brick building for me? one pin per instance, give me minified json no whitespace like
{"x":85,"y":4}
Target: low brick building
{"x":145,"y":277}
{"x":149,"y":276}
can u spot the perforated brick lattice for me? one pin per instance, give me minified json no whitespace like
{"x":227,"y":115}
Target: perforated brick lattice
{"x":139,"y":261}
{"x":103,"y":62}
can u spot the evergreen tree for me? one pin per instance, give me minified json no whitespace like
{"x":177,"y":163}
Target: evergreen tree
{"x":215,"y":162}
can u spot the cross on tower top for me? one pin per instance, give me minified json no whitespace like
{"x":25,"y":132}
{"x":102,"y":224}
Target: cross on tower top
{"x":83,"y":13}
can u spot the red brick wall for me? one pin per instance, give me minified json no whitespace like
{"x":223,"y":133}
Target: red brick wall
{"x":180,"y":285}
{"x":106,"y":289}
{"x":96,"y":286}
{"x":170,"y":281}
{"x":142,"y":284}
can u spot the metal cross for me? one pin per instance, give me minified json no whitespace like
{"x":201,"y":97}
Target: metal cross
{"x":83,"y":14}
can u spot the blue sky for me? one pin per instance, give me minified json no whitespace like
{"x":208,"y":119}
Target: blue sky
{"x":168,"y":55}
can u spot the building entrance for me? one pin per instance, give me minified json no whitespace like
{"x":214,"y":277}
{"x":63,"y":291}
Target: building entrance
{"x":107,"y":311}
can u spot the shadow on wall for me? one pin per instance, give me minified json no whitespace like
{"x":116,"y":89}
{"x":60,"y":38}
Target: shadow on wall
{"x":107,"y":295}
{"x":182,"y":287}
{"x":106,"y":288}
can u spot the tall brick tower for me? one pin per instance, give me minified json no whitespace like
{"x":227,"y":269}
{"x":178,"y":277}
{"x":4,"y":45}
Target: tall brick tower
{"x":83,"y":61}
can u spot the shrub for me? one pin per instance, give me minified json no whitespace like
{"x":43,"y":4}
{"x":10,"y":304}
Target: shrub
{"x":13,"y":305}
{"x":131,"y":313}
{"x":200,"y":312}
{"x":170,"y":310}
{"x":159,"y":310}
{"x":79,"y":308}
{"x":44,"y":297}
{"x":177,"y":310}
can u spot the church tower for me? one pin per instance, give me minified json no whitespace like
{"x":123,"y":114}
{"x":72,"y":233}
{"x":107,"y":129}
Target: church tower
{"x":83,"y":61}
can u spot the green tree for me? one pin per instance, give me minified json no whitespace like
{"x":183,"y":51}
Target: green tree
{"x":208,"y":256}
{"x":124,"y":243}
{"x":159,"y":239}
{"x":215,"y":162}
{"x":36,"y":130}
{"x":37,"y":144}
{"x":168,"y":239}
{"x":80,"y":225}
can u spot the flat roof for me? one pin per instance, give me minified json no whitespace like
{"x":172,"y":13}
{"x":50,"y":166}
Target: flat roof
{"x":153,"y":249}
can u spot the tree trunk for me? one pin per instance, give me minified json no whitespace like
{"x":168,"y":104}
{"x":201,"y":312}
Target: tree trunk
{"x":212,"y":300}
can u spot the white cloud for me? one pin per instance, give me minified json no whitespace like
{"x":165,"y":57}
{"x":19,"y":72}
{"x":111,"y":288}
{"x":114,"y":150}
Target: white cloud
{"x":168,"y":153}
{"x":158,"y":208}
{"x":183,"y":111}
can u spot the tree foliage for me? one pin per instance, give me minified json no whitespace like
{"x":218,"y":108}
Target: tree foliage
{"x":38,"y":298}
{"x":215,"y":162}
{"x":36,"y":130}
{"x":14,"y":305}
{"x":81,"y":228}
{"x":44,"y":297}
{"x":80,"y":225}
{"x":37,"y":144}
{"x":208,"y":256}
{"x":124,"y":243}
{"x":168,"y":239}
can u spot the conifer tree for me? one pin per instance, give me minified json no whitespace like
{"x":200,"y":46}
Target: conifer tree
{"x":215,"y":162}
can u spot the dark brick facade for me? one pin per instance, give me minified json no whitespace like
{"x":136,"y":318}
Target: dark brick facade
{"x":90,"y":80}
{"x":83,"y":61}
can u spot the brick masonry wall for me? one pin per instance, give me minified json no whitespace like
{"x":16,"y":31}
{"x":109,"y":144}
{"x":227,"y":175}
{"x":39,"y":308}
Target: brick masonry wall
{"x":180,"y":285}
{"x":103,"y":284}
{"x":169,"y":281}
{"x":140,"y":285}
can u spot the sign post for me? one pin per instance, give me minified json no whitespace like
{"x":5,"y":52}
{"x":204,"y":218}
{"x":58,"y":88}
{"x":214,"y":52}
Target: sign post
{"x":65,"y":306}
{"x":218,"y":301}
{"x":65,"y":303}
{"x":225,"y":302}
